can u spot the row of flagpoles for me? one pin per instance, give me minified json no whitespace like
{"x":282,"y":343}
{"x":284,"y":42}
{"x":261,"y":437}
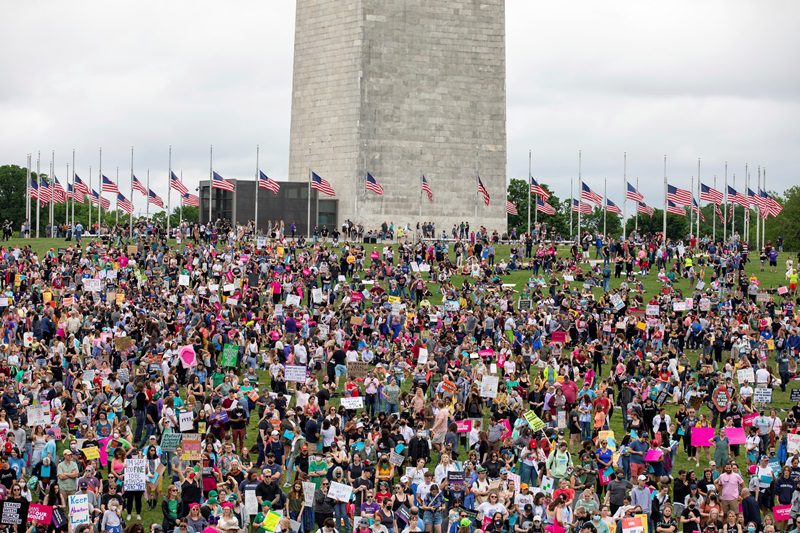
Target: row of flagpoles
{"x":677,"y":201}
{"x":49,"y":191}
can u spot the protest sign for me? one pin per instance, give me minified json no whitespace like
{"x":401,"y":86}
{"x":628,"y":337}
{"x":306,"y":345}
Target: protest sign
{"x":308,"y":493}
{"x":636,"y":524}
{"x":295,"y":373}
{"x":92,"y":285}
{"x":271,"y":520}
{"x":762,"y":395}
{"x":170,"y":441}
{"x":489,"y":386}
{"x":135,"y":474}
{"x":42,"y":514}
{"x":38,"y":416}
{"x":701,"y":437}
{"x":191,"y":447}
{"x":13,"y":512}
{"x":653,"y":455}
{"x":316,"y":296}
{"x":792,"y":443}
{"x":456,"y":480}
{"x":534,"y":421}
{"x":250,"y":502}
{"x":78,"y":510}
{"x":547,"y":485}
{"x":230,"y":355}
{"x":188,"y":356}
{"x":292,"y":300}
{"x":396,"y":459}
{"x":463,"y":426}
{"x":183,"y":280}
{"x":340,"y":492}
{"x":737,"y":436}
{"x":91,"y":452}
{"x":782,"y":513}
{"x":357,"y":369}
{"x":746,"y":375}
{"x":186,"y":420}
{"x":356,"y":402}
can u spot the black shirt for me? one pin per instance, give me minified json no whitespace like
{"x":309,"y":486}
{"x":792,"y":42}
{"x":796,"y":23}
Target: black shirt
{"x":691,"y":527}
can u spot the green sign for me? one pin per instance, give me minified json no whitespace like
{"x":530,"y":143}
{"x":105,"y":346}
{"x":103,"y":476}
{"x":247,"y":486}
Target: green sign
{"x":230,"y":354}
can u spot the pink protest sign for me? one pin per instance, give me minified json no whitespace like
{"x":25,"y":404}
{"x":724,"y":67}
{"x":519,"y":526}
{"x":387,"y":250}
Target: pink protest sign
{"x":486,"y":353}
{"x":653,"y":455}
{"x":735,"y":435}
{"x":701,"y":437}
{"x":188,"y":356}
{"x":747,"y":420}
{"x":43,"y":514}
{"x":781,"y":513}
{"x":507,"y":433}
{"x":463,"y":426}
{"x":559,"y":336}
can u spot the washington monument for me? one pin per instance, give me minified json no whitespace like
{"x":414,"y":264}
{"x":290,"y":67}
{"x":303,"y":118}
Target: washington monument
{"x":402,"y":88}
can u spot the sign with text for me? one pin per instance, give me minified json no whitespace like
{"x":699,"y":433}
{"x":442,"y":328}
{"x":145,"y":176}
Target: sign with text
{"x":78,"y":510}
{"x":356,"y":402}
{"x":295,"y":373}
{"x":135,"y":474}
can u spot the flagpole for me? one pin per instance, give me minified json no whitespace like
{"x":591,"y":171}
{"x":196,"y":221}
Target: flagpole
{"x":210,"y":179}
{"x":759,"y":241}
{"x":733,"y":210}
{"x":624,"y":193}
{"x":66,"y":202}
{"x":90,"y":199}
{"x":691,"y":210}
{"x":169,"y":191}
{"x":746,"y":221}
{"x":697,"y":233}
{"x":130,"y":222}
{"x":39,"y":185}
{"x":535,"y":210}
{"x":52,"y":178}
{"x":308,"y":228}
{"x":255,"y":214}
{"x":605,"y":207}
{"x":725,"y":204}
{"x":28,"y":195}
{"x":116,"y":211}
{"x":580,"y":197}
{"x":636,"y":214}
{"x":714,"y":223}
{"x":477,"y":178}
{"x":74,"y":171}
{"x":664,"y":223}
{"x":99,"y":193}
{"x":147,"y":208}
{"x":180,"y":208}
{"x":764,"y":184}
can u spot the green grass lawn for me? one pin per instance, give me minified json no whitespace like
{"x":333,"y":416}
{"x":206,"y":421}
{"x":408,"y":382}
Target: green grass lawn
{"x":519,"y":279}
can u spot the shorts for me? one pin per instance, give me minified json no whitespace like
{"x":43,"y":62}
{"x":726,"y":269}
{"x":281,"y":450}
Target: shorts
{"x":432,"y":519}
{"x":340,"y":370}
{"x":438,"y":438}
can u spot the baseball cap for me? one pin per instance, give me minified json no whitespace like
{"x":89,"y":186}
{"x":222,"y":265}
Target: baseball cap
{"x":465,"y":522}
{"x":642,"y":477}
{"x":537,"y":518}
{"x":404,"y":479}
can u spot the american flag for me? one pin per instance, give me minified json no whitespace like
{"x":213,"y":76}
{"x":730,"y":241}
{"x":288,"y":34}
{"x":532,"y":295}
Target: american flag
{"x":644,"y":209}
{"x":108,"y":186}
{"x":426,"y":187}
{"x":191,"y":200}
{"x":678,"y":196}
{"x":511,"y":208}
{"x":153,"y":198}
{"x":581,"y":207}
{"x":44,"y":192}
{"x":483,"y":192}
{"x":718,"y":211}
{"x":80,"y":186}
{"x":545,"y":208}
{"x":105,"y":203}
{"x":59,"y":192}
{"x":218,"y":182}
{"x":611,"y":207}
{"x":696,"y":210}
{"x":755,"y":199}
{"x":124,"y":204}
{"x":632,"y":194}
{"x":265,"y":182}
{"x":76,"y":196}
{"x":538,"y":190}
{"x":590,"y":196}
{"x":34,"y":187}
{"x":773,"y":208}
{"x":318,"y":183}
{"x":177,"y":184}
{"x":139,"y":186}
{"x":675,"y":209}
{"x":735,"y":198}
{"x":373,"y":185}
{"x":710,"y":194}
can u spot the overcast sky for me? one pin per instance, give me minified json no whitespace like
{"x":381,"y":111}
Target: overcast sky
{"x":715,"y":79}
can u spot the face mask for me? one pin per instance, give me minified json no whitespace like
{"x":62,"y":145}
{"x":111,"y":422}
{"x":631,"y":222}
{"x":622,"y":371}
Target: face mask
{"x":596,"y":518}
{"x":750,"y":529}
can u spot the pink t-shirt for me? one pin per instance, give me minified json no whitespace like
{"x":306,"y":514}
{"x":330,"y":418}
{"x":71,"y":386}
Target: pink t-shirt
{"x":730,"y":486}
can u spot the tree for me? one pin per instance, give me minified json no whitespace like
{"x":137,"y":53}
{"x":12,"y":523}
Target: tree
{"x":190,"y":214}
{"x":677,"y":226}
{"x":518,"y":194}
{"x":12,"y":194}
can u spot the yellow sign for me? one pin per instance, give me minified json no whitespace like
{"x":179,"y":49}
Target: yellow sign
{"x":393,"y":299}
{"x":120,"y":298}
{"x":92,"y":452}
{"x":271,"y":521}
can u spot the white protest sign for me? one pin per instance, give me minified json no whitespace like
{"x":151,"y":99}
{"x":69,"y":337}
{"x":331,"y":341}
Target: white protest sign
{"x":793,"y":443}
{"x":762,"y":395}
{"x":652,"y":310}
{"x":353,"y":403}
{"x":78,"y":510}
{"x":316,"y":295}
{"x":183,"y":280}
{"x":423,"y":356}
{"x":746,"y":375}
{"x":135,"y":474}
{"x":39,"y":416}
{"x":186,"y":419}
{"x":295,"y":373}
{"x":489,"y":386}
{"x":92,"y":285}
{"x":250,"y":502}
{"x":292,"y":300}
{"x":679,"y":307}
{"x":308,"y":493}
{"x":340,"y":491}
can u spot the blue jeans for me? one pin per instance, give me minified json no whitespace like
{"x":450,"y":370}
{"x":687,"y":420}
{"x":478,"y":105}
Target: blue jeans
{"x":341,"y":517}
{"x":527,"y":474}
{"x":586,"y":431}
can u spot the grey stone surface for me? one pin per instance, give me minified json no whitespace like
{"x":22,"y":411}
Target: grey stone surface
{"x":401,"y":88}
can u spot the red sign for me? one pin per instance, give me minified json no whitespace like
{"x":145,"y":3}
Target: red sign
{"x":781,"y":512}
{"x":486,"y":353}
{"x":463,"y":426}
{"x":356,"y":297}
{"x":747,"y":420}
{"x":721,"y":398}
{"x":559,"y":336}
{"x":44,"y":513}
